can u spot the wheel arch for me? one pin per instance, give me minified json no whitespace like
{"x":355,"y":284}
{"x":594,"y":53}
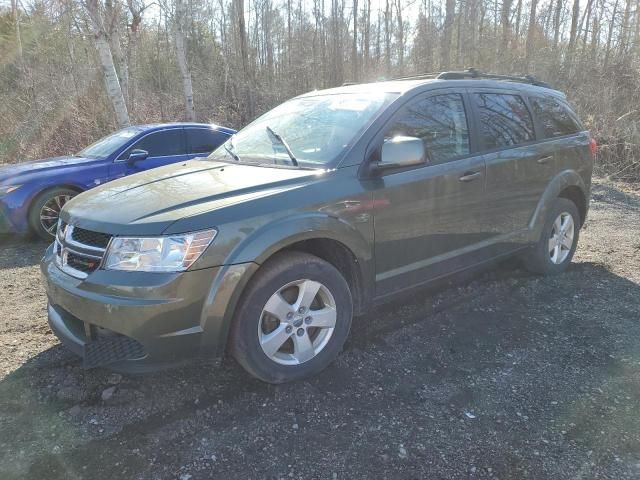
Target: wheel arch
{"x":567,"y":184}
{"x":45,"y":188}
{"x":331,"y":239}
{"x":41,"y":191}
{"x":327,"y":237}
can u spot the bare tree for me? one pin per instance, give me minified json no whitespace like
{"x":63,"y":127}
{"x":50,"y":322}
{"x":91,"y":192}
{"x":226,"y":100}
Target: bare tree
{"x":181,"y":53}
{"x":15,"y":9}
{"x":531,"y":32}
{"x":447,"y":32}
{"x":96,"y":16}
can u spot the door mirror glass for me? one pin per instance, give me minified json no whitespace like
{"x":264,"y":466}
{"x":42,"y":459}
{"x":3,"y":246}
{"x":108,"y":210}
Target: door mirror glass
{"x":137,"y":155}
{"x":400,"y":151}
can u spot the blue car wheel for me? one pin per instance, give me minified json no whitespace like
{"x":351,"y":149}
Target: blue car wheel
{"x":44,"y":213}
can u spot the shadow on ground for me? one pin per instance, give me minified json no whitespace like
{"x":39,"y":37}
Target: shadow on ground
{"x":502,"y":376}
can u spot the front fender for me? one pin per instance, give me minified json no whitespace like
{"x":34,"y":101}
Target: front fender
{"x":245,"y":259}
{"x":272,"y":237}
{"x":565,"y":179}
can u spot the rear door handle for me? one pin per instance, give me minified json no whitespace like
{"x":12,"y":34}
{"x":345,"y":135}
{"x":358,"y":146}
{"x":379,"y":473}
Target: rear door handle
{"x":469,"y":176}
{"x":544,"y":160}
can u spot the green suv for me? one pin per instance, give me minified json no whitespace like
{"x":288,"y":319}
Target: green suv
{"x":318,"y":210}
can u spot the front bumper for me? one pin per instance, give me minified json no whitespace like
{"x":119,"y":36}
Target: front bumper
{"x":13,"y":215}
{"x":137,"y":321}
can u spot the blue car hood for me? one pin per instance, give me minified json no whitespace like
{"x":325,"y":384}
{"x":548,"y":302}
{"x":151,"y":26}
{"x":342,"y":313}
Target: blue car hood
{"x":25,"y":170}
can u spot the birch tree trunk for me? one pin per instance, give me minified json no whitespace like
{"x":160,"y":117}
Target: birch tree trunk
{"x":111,"y":79}
{"x":96,"y":16}
{"x":16,"y":18}
{"x":181,"y":53}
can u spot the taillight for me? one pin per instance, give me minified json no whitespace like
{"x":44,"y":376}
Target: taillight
{"x":593,"y":146}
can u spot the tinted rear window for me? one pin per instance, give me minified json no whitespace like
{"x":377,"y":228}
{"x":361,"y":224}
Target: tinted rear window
{"x":555,"y":118}
{"x":505,"y":120}
{"x":204,"y":140}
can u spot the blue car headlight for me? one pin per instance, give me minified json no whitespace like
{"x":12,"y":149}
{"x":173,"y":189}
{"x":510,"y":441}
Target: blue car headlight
{"x":7,"y":189}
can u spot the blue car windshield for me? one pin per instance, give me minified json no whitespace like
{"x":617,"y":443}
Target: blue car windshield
{"x":316,"y":129}
{"x":109,"y":144}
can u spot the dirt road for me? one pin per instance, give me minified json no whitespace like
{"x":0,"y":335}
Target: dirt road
{"x":501,"y":375}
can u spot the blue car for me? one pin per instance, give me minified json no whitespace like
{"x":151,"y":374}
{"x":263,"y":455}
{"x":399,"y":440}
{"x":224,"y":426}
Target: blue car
{"x":33,"y":193}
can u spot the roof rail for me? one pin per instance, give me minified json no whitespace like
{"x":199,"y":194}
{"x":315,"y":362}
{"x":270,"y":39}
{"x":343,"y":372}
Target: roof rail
{"x":474,"y":73}
{"x":417,"y":76}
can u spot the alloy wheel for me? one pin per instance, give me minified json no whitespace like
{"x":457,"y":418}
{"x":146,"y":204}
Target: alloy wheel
{"x":561,"y":239}
{"x":297,"y":322}
{"x":50,"y":212}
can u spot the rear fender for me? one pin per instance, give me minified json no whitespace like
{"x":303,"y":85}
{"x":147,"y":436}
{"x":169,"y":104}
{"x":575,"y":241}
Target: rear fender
{"x":566,"y":178}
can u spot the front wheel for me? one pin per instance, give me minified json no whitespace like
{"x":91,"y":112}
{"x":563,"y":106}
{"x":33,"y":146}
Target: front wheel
{"x":45,"y":211}
{"x":558,"y":241}
{"x":293,"y":320}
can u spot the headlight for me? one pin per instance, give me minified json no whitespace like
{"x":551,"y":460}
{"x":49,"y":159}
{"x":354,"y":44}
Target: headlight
{"x":6,"y":189}
{"x":173,"y":253}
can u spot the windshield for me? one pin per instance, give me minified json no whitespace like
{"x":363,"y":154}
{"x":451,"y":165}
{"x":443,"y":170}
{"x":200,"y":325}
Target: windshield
{"x":316,"y":129}
{"x":109,"y":144}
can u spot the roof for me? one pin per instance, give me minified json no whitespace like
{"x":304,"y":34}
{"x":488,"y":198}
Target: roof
{"x":158,"y":126}
{"x":464,"y":79}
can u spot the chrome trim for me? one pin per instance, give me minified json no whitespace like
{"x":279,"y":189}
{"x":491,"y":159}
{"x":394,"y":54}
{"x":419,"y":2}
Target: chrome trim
{"x":64,"y":243}
{"x":120,"y":160}
{"x":68,"y":239}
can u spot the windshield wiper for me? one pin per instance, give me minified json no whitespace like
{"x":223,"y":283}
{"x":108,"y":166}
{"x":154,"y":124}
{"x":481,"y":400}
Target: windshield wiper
{"x":230,"y":151}
{"x":282,"y":142}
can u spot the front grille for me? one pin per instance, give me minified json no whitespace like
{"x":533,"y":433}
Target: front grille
{"x":82,"y":263}
{"x":92,"y":239}
{"x":78,"y":251}
{"x":106,"y":350}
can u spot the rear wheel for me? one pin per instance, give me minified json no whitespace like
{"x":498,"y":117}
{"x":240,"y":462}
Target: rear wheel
{"x":293,"y":320}
{"x":558,"y":241}
{"x":45,"y":211}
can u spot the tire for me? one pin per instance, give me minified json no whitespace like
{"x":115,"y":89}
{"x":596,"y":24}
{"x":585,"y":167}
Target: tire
{"x":544,"y":260}
{"x":48,"y":203}
{"x":290,"y":278}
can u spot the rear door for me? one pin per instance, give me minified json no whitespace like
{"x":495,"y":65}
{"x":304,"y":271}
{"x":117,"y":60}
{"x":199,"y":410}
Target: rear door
{"x":518,"y":166}
{"x":201,"y":141}
{"x":562,"y":131}
{"x":164,"y":147}
{"x":428,"y":217}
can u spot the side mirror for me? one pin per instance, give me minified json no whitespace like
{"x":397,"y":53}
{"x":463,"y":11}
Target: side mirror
{"x":398,"y":152}
{"x":137,"y":155}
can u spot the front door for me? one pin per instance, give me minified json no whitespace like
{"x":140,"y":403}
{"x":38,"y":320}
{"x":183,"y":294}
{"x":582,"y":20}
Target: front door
{"x":164,"y":147}
{"x":427,"y":218}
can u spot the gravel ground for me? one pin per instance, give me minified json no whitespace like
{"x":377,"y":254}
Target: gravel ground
{"x":493,"y":375}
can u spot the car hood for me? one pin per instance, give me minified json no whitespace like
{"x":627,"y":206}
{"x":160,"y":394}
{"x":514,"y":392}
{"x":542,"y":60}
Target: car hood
{"x":148,"y":203}
{"x":25,"y":170}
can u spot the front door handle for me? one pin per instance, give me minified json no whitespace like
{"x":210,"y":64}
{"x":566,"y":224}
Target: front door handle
{"x":544,"y":160}
{"x":469,"y":176}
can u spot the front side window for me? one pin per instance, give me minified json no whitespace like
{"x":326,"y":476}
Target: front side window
{"x":505,"y":120}
{"x":317,"y":130}
{"x":440,"y":122}
{"x":555,"y":118}
{"x":161,"y":144}
{"x":204,"y":140}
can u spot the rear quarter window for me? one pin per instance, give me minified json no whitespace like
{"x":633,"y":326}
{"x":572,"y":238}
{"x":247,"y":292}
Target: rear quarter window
{"x":555,"y":118}
{"x":204,"y":140}
{"x":505,"y":120}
